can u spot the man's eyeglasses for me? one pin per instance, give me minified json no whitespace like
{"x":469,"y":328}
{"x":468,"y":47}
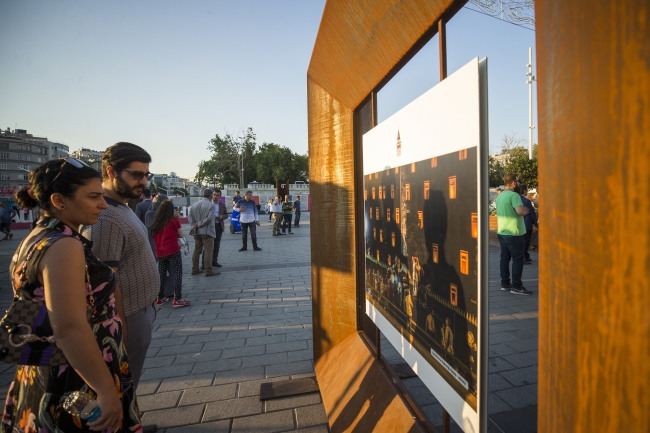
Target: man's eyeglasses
{"x":73,"y":162}
{"x":137,"y":175}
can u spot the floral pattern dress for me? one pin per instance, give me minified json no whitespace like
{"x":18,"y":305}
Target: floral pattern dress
{"x":35,"y":397}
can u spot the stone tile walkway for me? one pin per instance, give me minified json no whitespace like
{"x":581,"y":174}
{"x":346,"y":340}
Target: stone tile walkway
{"x":252,"y":324}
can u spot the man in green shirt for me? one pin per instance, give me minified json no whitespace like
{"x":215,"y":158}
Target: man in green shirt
{"x":287,"y":213}
{"x":511,"y":232}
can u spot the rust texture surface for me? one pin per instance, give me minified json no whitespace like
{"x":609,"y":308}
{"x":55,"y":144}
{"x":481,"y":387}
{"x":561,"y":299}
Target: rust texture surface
{"x":360,"y":41}
{"x":357,"y":395}
{"x":594,"y":159}
{"x":332,"y":246}
{"x":358,"y":44}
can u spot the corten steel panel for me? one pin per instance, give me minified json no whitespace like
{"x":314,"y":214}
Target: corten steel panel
{"x":359,"y":44}
{"x":332,"y":226}
{"x":357,"y":395}
{"x":594,"y":159}
{"x":360,"y":41}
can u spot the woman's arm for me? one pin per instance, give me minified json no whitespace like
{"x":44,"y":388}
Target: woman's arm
{"x":120,"y":310}
{"x":180,"y":233}
{"x":62,"y":271}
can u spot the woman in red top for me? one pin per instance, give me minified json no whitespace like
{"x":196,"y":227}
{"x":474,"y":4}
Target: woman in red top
{"x":166,"y":231}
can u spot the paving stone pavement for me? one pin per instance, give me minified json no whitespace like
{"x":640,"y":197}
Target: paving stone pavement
{"x":253,"y":324}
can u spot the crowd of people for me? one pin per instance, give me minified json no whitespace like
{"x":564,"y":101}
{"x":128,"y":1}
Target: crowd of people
{"x":99,"y":269}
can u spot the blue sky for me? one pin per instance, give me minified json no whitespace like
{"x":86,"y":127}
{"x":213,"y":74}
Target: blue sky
{"x":170,"y":75}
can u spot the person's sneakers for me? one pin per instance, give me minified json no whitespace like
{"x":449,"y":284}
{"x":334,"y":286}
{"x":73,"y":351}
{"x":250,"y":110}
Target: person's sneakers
{"x":216,"y":265}
{"x":528,"y":262}
{"x":162,"y":301}
{"x":282,"y":234}
{"x":212,"y":273}
{"x":197,"y":272}
{"x":180,"y":303}
{"x":290,"y":233}
{"x":243,"y":249}
{"x":520,"y":291}
{"x":257,"y":249}
{"x":505,"y":287}
{"x":11,"y":235}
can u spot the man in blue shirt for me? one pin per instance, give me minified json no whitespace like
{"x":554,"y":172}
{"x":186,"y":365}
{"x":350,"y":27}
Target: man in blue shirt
{"x":248,"y":219}
{"x":296,"y":209}
{"x":530,"y":221}
{"x":6,"y":215}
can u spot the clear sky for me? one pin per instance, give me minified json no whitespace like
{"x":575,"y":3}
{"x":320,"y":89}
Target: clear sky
{"x":169,"y":75}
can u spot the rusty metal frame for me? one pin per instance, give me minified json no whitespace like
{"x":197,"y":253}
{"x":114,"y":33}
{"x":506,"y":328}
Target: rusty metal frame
{"x":360,"y":47}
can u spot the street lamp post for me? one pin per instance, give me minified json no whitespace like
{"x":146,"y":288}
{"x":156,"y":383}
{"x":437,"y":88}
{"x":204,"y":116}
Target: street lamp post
{"x":241,"y":180}
{"x":529,"y":81}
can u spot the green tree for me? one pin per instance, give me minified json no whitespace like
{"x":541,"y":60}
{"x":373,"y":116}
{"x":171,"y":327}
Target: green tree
{"x":525,"y":168}
{"x":301,"y":167}
{"x":279,"y":163}
{"x":495,"y":171}
{"x":273,"y":163}
{"x":224,"y":165}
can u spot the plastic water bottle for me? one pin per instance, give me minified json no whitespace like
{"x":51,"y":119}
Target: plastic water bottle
{"x":83,"y":405}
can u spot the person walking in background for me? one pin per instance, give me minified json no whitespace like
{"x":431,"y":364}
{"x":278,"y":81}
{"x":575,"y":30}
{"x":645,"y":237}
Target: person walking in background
{"x":296,"y":209}
{"x":267,"y":209}
{"x":511,"y":231}
{"x":142,"y":207}
{"x":201,"y":218}
{"x":55,"y":263}
{"x":121,"y":241}
{"x":166,"y":230}
{"x":287,"y":213}
{"x":276,"y":209}
{"x":6,"y":215}
{"x":530,"y":222}
{"x":249,"y":220}
{"x":236,"y":198}
{"x":220,"y":214}
{"x":149,"y":217}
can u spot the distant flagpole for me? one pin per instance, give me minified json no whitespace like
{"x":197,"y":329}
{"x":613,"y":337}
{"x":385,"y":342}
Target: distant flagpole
{"x":529,"y":81}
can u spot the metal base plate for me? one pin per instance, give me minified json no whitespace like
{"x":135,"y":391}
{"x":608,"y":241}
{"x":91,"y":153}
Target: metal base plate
{"x":288,"y":388}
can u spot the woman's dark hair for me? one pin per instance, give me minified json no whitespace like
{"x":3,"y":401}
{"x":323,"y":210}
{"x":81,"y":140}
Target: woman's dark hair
{"x":121,"y":155}
{"x":164,"y":214}
{"x":55,"y":176}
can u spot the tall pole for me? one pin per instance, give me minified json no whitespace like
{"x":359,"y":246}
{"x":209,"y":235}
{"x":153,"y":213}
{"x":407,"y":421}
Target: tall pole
{"x":529,"y":81}
{"x":241,"y":181}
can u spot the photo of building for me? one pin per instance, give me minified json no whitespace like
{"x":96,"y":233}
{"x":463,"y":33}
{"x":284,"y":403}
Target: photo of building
{"x":421,"y":232}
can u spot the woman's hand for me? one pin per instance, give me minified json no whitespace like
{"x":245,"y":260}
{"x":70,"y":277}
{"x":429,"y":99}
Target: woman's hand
{"x":112,"y":412}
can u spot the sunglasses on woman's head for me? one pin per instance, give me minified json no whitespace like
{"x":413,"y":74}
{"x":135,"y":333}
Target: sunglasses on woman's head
{"x":73,"y":162}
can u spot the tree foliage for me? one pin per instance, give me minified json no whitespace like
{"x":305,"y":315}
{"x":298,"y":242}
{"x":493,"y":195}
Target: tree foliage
{"x":224,"y":165}
{"x":525,"y":168}
{"x":496,"y":173}
{"x":279,"y":163}
{"x":270,"y":163}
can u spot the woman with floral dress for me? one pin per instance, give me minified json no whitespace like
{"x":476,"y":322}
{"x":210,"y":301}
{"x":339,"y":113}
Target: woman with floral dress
{"x":55,"y":264}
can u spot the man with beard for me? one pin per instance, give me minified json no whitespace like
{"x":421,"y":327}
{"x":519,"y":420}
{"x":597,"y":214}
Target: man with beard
{"x":120,"y":240}
{"x":511,"y":232}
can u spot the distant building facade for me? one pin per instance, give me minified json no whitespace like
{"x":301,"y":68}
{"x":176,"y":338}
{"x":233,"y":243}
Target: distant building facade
{"x":58,"y":150}
{"x":88,"y":155}
{"x":20,"y":152}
